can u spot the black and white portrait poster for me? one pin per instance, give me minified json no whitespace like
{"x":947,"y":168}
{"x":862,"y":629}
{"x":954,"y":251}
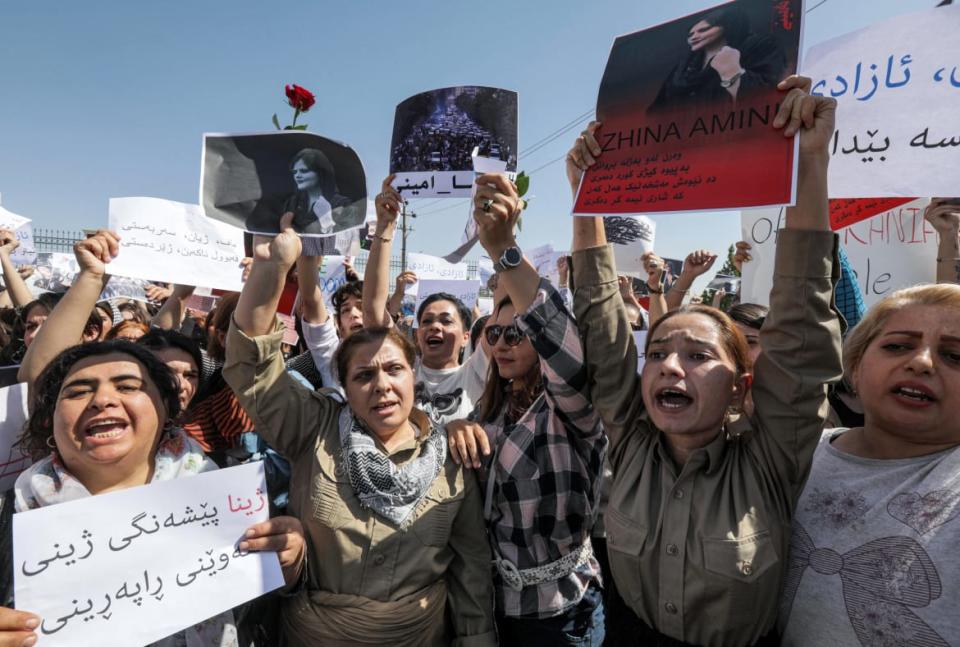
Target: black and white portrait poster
{"x":436,"y":132}
{"x":250,"y":181}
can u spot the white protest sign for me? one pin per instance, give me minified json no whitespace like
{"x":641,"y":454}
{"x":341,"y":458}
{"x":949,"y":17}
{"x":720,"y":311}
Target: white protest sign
{"x":26,"y":253}
{"x":13,"y":415}
{"x":485,"y":269}
{"x":133,"y":566}
{"x":631,"y":237}
{"x":433,"y":268}
{"x":173,"y":242}
{"x":333,"y":276}
{"x":891,"y":250}
{"x":485,"y":305}
{"x":545,"y":259}
{"x":640,"y":338}
{"x":897,"y":84}
{"x":466,"y":291}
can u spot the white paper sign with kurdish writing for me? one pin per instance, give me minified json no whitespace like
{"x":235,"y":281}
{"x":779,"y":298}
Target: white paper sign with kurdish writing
{"x":466,"y":291}
{"x":897,"y":85}
{"x":131,"y":567}
{"x":172,"y":241}
{"x":894,"y":249}
{"x":432,"y":268}
{"x":26,"y":252}
{"x":13,"y":415}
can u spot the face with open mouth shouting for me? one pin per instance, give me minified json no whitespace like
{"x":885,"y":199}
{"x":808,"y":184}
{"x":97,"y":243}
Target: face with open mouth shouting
{"x":909,"y":376}
{"x":690,"y":378}
{"x":349,"y":316}
{"x":109,"y":413}
{"x":379,"y":387}
{"x":441,"y":335}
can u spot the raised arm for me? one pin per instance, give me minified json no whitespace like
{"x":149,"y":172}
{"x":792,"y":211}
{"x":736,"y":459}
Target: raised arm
{"x":609,"y":351}
{"x":496,"y":210}
{"x":284,"y":412}
{"x":694,"y":265}
{"x":64,"y":327}
{"x":801,"y":335}
{"x":174,"y":308}
{"x":944,"y":215}
{"x":313,"y":309}
{"x":16,"y":287}
{"x":376,"y":276}
{"x":653,"y":266}
{"x":396,"y":299}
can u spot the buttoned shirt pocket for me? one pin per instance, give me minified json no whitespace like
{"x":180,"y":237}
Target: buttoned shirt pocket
{"x":625,"y":542}
{"x":330,"y":487}
{"x":742,"y":575}
{"x":435,"y":520}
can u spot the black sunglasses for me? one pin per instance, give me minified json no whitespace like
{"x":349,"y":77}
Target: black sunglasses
{"x":512,"y":335}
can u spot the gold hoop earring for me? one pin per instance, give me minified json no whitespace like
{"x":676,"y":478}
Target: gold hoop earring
{"x":51,"y":443}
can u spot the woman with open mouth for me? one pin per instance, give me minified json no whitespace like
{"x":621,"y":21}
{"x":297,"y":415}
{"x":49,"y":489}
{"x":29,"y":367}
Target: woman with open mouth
{"x":873,"y":551}
{"x":543,"y":480}
{"x":397,"y":554}
{"x":698,"y":521}
{"x":448,"y":384}
{"x":102,"y":421}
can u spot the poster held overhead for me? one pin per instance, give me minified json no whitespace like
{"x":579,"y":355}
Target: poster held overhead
{"x":172,"y":242}
{"x":435,"y":132}
{"x":687,"y":109}
{"x":21,"y":227}
{"x":631,"y":237}
{"x":897,"y":83}
{"x":250,"y":181}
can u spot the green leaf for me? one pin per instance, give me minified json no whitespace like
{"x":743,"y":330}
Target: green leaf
{"x":300,"y":127}
{"x":276,"y":122}
{"x":523,"y":183}
{"x":520,"y":223}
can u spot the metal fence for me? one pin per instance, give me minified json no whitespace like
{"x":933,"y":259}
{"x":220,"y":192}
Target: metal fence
{"x":55,"y":240}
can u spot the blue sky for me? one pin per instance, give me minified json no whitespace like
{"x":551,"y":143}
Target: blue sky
{"x":106,"y":99}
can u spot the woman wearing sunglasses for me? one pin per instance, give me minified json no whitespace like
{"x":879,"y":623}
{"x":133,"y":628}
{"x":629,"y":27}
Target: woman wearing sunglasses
{"x":541,"y":484}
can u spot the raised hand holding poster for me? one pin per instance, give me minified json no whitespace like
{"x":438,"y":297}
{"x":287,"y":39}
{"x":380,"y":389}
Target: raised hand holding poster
{"x":687,"y":109}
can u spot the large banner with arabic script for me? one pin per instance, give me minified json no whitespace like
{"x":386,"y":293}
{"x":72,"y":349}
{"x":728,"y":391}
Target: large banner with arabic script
{"x":134,"y":566}
{"x":897,"y":85}
{"x":687,"y":109}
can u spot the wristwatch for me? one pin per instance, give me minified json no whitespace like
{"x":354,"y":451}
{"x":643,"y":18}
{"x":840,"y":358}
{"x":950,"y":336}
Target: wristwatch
{"x":511,"y":258}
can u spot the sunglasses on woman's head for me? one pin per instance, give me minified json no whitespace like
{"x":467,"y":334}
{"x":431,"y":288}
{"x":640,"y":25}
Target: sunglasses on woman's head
{"x":512,"y":335}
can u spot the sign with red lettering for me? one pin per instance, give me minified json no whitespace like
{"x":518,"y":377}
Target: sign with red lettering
{"x":687,"y":112}
{"x":849,"y":211}
{"x":893,"y":249}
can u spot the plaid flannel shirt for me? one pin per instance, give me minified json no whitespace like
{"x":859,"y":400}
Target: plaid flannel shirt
{"x":547,"y":468}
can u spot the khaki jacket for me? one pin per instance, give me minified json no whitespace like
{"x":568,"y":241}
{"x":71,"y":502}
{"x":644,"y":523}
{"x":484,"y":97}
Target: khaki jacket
{"x":699,"y":553}
{"x":352,"y":551}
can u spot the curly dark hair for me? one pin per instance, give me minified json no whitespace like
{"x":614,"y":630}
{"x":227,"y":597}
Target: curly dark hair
{"x":43,"y":396}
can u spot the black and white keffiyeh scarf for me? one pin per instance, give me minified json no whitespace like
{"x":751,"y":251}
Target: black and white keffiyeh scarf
{"x":392,"y":492}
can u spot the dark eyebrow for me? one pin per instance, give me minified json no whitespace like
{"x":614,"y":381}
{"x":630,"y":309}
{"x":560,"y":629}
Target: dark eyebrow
{"x":907,"y":333}
{"x":696,"y":340}
{"x":950,"y":338}
{"x":93,"y":382}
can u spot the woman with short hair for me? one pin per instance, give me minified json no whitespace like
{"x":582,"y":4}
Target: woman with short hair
{"x":395,"y":528}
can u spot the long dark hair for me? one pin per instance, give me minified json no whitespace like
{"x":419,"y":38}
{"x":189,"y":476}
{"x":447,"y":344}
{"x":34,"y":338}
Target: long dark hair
{"x":317,"y":162}
{"x":38,"y":430}
{"x":500,"y":394}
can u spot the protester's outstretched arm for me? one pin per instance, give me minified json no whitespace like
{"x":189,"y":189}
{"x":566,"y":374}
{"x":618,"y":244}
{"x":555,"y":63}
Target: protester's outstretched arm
{"x":272,"y":259}
{"x":376,"y":277}
{"x":587,"y":230}
{"x":496,"y":209}
{"x":174,"y":308}
{"x":64,"y":327}
{"x":16,"y":287}
{"x":313,"y":309}
{"x":396,"y":299}
{"x":653,"y":265}
{"x":694,"y":265}
{"x":944,"y":215}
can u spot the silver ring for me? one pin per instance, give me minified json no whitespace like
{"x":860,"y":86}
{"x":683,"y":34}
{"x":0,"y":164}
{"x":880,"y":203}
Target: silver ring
{"x":486,"y":205}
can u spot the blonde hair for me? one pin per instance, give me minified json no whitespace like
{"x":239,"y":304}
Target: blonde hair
{"x":856,"y":343}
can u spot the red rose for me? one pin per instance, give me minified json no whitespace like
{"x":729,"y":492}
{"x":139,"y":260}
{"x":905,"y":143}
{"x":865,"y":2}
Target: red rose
{"x":300,"y":98}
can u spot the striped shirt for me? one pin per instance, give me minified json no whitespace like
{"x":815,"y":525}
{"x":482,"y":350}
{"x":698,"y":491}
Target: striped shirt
{"x":547,"y":468}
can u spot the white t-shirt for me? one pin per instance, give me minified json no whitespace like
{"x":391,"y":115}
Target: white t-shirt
{"x":873,"y":553}
{"x":322,"y":342}
{"x":450,"y":393}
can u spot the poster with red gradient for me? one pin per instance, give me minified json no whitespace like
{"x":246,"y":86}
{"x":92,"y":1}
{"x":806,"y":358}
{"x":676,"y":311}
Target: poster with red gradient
{"x":687,"y":109}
